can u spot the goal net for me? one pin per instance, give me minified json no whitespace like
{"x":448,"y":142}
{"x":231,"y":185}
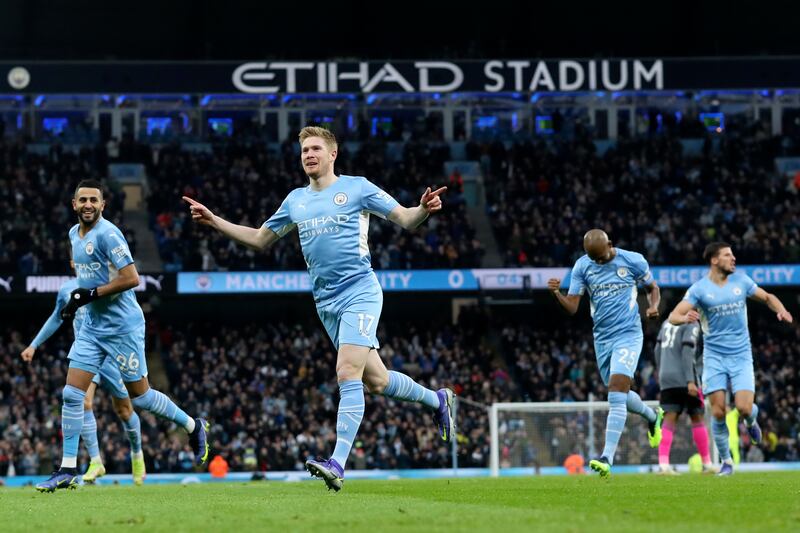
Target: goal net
{"x":542,"y":435}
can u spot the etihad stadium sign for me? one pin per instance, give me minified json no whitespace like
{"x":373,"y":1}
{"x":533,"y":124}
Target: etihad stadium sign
{"x":447,"y":76}
{"x":525,"y":75}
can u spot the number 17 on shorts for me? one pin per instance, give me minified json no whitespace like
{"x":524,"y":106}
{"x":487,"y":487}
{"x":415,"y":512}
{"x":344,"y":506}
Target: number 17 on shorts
{"x":359,"y":328}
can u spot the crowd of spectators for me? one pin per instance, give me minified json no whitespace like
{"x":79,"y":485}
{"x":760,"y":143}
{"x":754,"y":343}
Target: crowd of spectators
{"x":271,"y":394}
{"x":245,"y":182}
{"x":554,"y":363}
{"x":270,"y":389}
{"x":655,"y":195}
{"x":36,"y":191}
{"x":241,"y":179}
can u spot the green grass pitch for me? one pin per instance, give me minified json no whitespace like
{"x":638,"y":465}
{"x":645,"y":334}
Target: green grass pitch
{"x":744,"y":502}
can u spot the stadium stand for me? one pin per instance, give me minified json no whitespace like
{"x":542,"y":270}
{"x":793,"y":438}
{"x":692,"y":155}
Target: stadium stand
{"x":270,"y":392}
{"x":246,"y":182}
{"x":646,"y":192}
{"x":35,"y":194}
{"x":542,"y":196}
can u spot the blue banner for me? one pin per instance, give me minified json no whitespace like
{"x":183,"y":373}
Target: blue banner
{"x":299,"y":281}
{"x":767,"y":275}
{"x":457,"y":279}
{"x":684,"y":276}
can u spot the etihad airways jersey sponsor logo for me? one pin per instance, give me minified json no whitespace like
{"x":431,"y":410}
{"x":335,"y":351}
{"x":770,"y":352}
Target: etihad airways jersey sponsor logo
{"x":602,"y":290}
{"x":323,"y":225}
{"x":321,"y":222}
{"x":728,"y":309}
{"x":87,"y":270}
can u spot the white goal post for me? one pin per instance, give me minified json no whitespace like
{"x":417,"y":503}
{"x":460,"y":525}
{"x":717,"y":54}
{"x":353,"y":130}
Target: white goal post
{"x":542,"y":434}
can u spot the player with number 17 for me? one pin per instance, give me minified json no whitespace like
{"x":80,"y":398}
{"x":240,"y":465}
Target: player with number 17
{"x":331,"y":215}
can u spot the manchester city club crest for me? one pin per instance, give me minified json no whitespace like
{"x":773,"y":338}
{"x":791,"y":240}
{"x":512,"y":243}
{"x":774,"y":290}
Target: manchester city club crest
{"x":203,"y":282}
{"x":340,"y":198}
{"x":622,"y":272}
{"x":89,"y":248}
{"x":737,"y":291}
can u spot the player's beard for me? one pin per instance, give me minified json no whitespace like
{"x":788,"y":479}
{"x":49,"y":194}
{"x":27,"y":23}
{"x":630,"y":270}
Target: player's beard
{"x":88,"y":219}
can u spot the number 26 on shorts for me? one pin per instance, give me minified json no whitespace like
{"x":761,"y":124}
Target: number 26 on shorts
{"x":132,"y":364}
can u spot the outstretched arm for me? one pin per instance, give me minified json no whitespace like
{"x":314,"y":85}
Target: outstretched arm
{"x":654,"y":299}
{"x":256,"y":238}
{"x":570,"y":302}
{"x":684,"y":313}
{"x":411,"y":217}
{"x":49,"y":327}
{"x":774,"y":304}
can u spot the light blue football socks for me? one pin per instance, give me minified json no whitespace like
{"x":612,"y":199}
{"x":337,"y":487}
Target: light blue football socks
{"x":160,"y":405}
{"x":719,"y":428}
{"x":636,"y":405}
{"x":402,"y":387}
{"x":348,"y":420}
{"x":71,"y":424}
{"x":89,"y":434}
{"x":133,"y":427}
{"x":615,"y":423}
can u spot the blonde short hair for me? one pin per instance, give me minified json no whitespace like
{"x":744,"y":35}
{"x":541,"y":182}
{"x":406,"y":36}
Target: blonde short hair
{"x":316,"y":131}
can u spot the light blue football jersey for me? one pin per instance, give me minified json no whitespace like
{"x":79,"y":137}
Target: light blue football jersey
{"x":333,"y":225}
{"x":55,"y":321}
{"x":98,"y":257}
{"x":723,"y":314}
{"x":613,"y":289}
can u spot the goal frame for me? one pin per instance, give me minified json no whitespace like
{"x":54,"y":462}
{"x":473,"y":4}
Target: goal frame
{"x":536,"y":407}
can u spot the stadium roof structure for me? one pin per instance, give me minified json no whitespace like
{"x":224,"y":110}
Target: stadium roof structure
{"x":405,"y":76}
{"x":496,"y":97}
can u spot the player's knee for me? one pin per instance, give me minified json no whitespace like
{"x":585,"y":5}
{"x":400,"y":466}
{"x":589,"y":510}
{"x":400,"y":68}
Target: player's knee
{"x":619,"y":387}
{"x":72,"y":396}
{"x":347,"y":372}
{"x":124,"y":410}
{"x":619,"y":383}
{"x":87,"y":403}
{"x":718,"y":412}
